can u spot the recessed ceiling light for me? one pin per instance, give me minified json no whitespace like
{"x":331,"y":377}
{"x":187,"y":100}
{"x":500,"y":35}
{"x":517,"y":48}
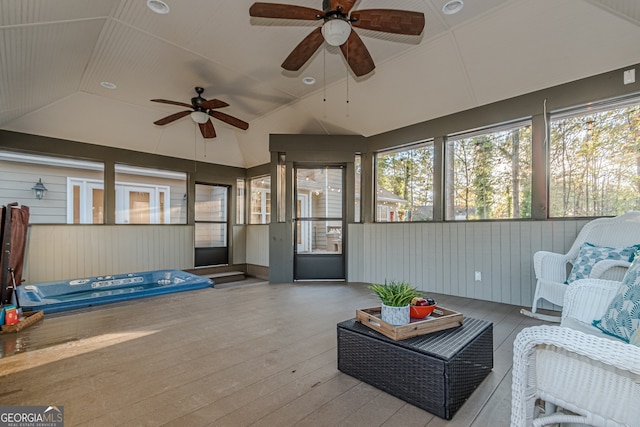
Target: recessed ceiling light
{"x":453,"y":6}
{"x":309,"y":80}
{"x":158,"y":6}
{"x":108,"y":85}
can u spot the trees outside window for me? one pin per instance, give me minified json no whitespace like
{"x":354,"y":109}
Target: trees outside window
{"x":488,"y":174}
{"x":404,"y":188}
{"x":594,"y":161}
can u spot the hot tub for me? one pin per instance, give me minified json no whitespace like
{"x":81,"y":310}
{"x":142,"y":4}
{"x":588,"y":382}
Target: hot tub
{"x":77,"y":293}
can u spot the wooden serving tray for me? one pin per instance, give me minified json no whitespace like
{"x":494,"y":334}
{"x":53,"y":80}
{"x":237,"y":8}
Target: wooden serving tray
{"x":441,"y":318}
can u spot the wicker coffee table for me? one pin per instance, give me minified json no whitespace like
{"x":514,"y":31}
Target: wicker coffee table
{"x":436,"y":372}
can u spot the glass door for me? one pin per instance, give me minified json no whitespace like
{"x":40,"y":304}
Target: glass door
{"x":211,"y":227}
{"x":319,"y":223}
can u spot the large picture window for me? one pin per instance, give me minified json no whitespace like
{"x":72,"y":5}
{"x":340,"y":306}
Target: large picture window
{"x":404,"y":187}
{"x":594,"y":159}
{"x":150,"y":196}
{"x":488,"y":174}
{"x":74,"y":187}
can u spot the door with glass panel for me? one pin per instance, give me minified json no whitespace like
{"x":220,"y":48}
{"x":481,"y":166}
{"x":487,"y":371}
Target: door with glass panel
{"x":319,"y":223}
{"x":211,"y":225}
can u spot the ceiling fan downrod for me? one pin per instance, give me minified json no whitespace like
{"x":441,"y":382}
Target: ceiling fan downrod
{"x":197,"y":100}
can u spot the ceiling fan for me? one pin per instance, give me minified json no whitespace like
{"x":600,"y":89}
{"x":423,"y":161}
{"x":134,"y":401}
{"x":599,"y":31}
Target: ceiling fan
{"x":337,"y":29}
{"x":200,"y":111}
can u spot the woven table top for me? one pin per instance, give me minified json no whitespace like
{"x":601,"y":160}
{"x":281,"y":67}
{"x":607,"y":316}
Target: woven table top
{"x":443,"y":344}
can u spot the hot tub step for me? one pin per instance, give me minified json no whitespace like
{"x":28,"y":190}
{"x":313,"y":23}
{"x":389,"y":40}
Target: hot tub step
{"x":226,"y":277}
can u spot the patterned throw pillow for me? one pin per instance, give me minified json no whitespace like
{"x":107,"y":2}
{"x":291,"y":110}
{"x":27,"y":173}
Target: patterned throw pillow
{"x":635,"y":338}
{"x":622,"y":317}
{"x":590,"y":254}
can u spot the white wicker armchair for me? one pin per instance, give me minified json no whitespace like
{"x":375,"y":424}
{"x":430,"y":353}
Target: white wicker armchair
{"x":575,"y":367}
{"x":551,"y":268}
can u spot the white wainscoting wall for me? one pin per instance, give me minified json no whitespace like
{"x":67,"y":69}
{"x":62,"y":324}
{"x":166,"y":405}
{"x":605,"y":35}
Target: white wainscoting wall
{"x":257,"y":249}
{"x":437,"y":257}
{"x":59,"y":252}
{"x":443,"y":257}
{"x":239,"y":244}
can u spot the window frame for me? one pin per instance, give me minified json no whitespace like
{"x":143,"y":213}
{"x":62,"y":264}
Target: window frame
{"x":449,"y":181}
{"x":380,"y":207}
{"x":584,"y":111}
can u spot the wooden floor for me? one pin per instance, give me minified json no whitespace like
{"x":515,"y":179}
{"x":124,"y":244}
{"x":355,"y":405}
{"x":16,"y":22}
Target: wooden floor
{"x":254,"y":354}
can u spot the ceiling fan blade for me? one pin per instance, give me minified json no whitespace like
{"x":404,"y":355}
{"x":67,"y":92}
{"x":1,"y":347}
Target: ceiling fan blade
{"x":357,"y":55}
{"x":389,"y":21}
{"x":284,"y":11}
{"x":301,"y":53}
{"x":166,"y":101}
{"x":229,"y":120}
{"x":345,"y":4}
{"x":213,"y":103}
{"x":207,"y":129}
{"x":173,"y":117}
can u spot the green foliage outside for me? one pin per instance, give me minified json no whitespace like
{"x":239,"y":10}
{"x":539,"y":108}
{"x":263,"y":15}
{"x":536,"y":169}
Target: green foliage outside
{"x":490,"y":175}
{"x":593,"y":170}
{"x":409,"y":175}
{"x":595,"y":163}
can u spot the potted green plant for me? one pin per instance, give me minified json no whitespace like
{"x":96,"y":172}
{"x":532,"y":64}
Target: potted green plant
{"x":395,"y":297}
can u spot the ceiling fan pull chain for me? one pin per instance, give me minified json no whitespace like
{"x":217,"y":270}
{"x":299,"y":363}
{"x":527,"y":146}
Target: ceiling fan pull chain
{"x":204,"y":143}
{"x":324,"y":75}
{"x":195,"y":142}
{"x":347,"y":70}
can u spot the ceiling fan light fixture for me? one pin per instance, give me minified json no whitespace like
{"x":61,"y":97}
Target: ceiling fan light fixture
{"x":309,"y":80}
{"x":453,"y":6}
{"x":158,"y":6}
{"x":199,"y":117}
{"x":336,"y":31}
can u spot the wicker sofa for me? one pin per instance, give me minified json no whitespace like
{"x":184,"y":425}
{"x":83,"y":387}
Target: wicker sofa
{"x":580,"y":374}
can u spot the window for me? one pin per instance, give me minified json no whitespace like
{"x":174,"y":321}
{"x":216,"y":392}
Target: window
{"x":260,"y":200}
{"x":404,"y":184}
{"x":357,"y":163}
{"x":150,"y":196}
{"x":85,"y":201}
{"x":240,"y":201}
{"x":74,"y":188}
{"x":594,"y":161}
{"x":488,"y":174}
{"x":282,"y":187}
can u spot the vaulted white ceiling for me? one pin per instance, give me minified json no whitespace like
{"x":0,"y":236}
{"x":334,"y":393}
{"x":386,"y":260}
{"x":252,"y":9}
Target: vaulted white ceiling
{"x":55,"y":53}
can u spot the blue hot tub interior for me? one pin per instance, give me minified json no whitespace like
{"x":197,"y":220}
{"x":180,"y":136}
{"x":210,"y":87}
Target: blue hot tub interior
{"x":65,"y":295}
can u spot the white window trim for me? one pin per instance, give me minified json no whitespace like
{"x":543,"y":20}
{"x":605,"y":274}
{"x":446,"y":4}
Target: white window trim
{"x":86,"y":198}
{"x":122,"y":200}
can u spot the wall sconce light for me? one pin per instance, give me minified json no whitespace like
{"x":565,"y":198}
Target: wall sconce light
{"x":39,"y":189}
